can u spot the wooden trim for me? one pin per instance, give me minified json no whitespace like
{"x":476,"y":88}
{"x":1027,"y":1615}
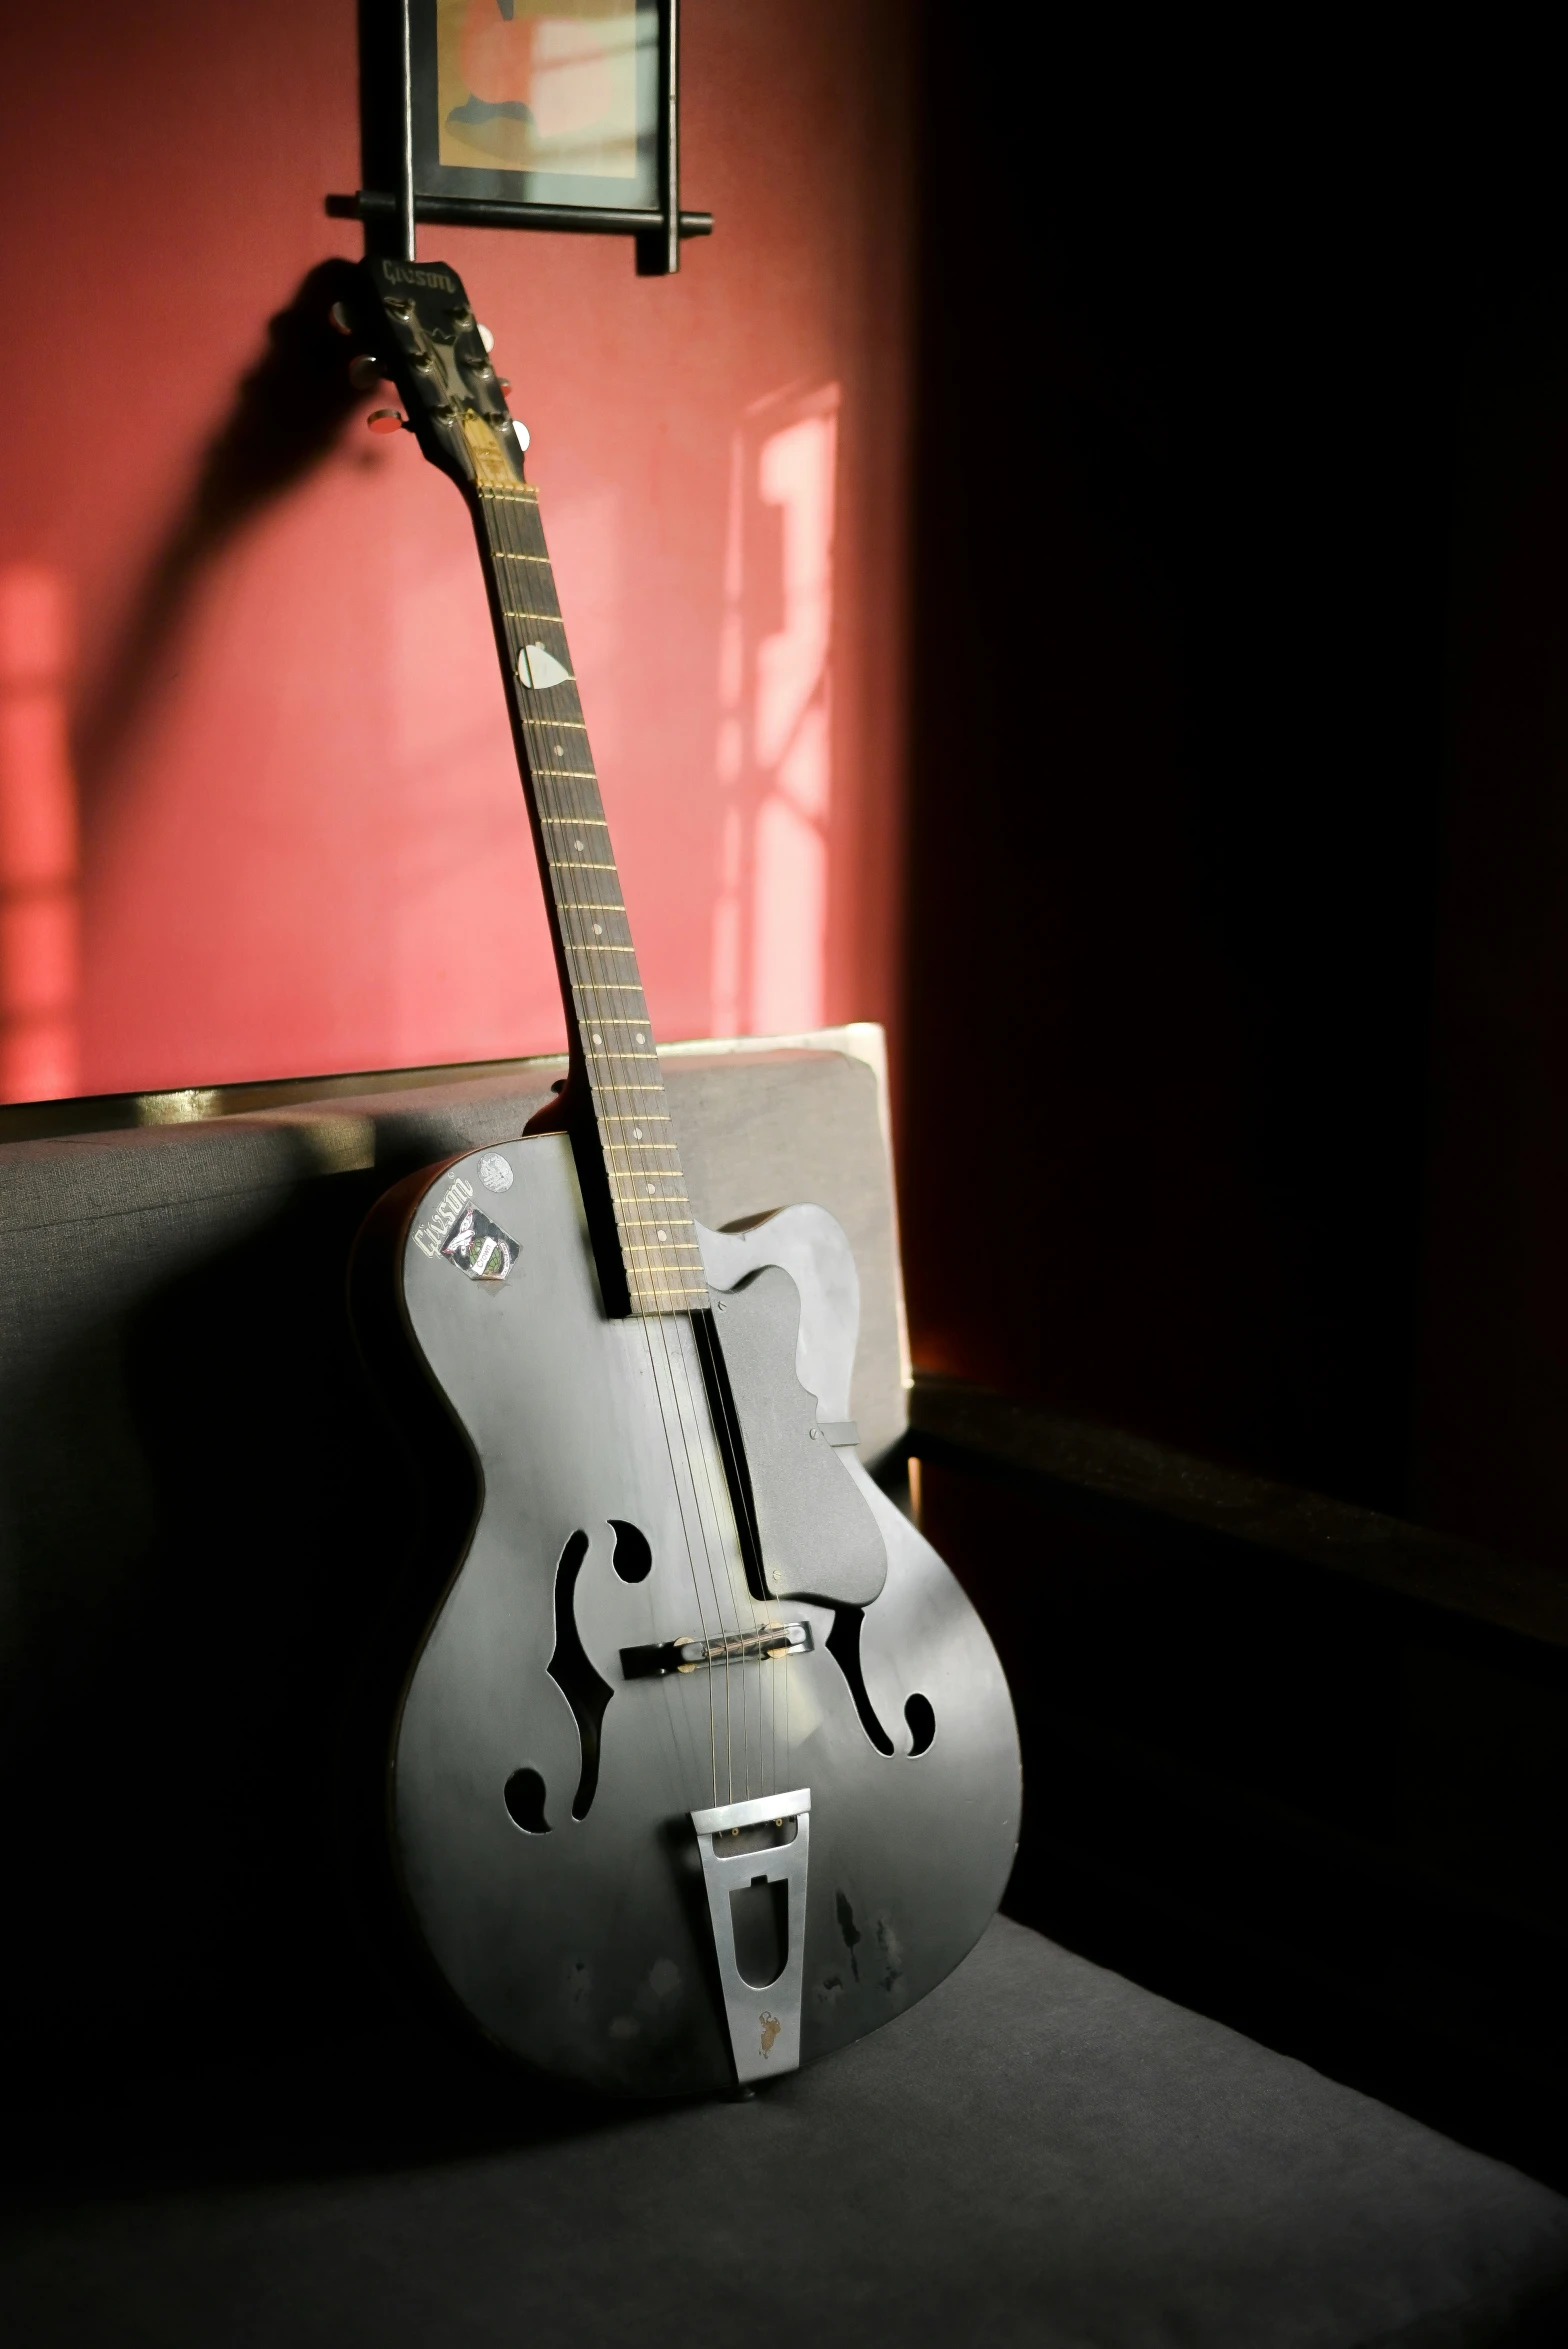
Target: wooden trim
{"x":1112,"y":1476}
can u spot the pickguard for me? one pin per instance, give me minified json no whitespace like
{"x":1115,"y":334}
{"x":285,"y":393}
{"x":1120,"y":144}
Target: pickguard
{"x":806,"y":1532}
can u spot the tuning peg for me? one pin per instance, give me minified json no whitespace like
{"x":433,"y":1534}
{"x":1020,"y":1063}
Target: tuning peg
{"x":521,"y":430}
{"x":364,"y":373}
{"x":505,"y":382}
{"x":485,"y":336}
{"x":387,"y":420}
{"x":340,"y":318}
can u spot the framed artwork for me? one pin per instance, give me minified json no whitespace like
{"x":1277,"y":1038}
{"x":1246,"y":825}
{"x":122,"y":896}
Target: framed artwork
{"x":557,"y":114}
{"x":537,"y":101}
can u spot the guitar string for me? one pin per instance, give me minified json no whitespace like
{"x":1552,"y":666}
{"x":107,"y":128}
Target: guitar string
{"x":692,"y":1419}
{"x":585,"y":981}
{"x":688,"y":1411}
{"x":556,"y":809}
{"x":673,"y":1336}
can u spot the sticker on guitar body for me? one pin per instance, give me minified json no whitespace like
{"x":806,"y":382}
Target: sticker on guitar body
{"x":458,"y":1231}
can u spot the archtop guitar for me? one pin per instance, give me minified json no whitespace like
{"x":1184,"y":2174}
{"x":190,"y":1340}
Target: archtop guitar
{"x":702,"y":1765}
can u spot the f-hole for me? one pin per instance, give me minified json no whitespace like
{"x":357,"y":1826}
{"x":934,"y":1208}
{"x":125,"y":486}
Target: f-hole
{"x":524,"y":1794}
{"x":633,"y":1560}
{"x":843,"y":1645}
{"x":759,"y":1920}
{"x":575,"y":1676}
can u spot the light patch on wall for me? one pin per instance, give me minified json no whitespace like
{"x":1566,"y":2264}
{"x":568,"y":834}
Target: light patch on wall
{"x":774,"y":750}
{"x":40,"y":910}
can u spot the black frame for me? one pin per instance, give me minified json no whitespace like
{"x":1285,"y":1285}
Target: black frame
{"x":405,"y":183}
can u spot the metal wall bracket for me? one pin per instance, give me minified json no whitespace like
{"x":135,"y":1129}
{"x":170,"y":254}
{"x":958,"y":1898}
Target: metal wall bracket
{"x":763,"y":2018}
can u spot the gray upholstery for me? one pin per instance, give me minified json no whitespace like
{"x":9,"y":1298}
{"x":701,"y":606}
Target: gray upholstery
{"x":1039,"y":2154}
{"x":199,"y":1504}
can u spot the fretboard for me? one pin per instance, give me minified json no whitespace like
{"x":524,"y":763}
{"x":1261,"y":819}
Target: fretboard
{"x":607,"y":1014}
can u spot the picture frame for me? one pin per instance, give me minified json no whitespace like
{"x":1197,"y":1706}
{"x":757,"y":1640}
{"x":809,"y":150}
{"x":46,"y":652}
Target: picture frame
{"x":528,"y":104}
{"x":540,"y":114}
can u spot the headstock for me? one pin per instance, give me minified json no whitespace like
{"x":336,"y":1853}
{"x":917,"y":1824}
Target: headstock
{"x":415,"y":324}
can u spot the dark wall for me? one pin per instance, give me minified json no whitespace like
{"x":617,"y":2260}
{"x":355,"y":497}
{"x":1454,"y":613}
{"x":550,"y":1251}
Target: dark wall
{"x":1197,"y":328}
{"x":1492,"y":1384}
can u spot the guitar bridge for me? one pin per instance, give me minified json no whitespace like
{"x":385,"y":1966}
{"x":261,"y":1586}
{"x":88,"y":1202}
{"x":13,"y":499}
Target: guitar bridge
{"x":754,"y":1857}
{"x":769,"y":1644}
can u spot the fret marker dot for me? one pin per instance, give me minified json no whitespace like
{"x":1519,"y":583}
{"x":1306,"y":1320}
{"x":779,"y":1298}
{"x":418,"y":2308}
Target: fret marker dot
{"x":598,"y":1039}
{"x":559,"y":752}
{"x":598,"y":929}
{"x":577,"y":844}
{"x":664,"y":1235}
{"x":651,"y":1189}
{"x":636,"y":1133}
{"x":639,"y":1038}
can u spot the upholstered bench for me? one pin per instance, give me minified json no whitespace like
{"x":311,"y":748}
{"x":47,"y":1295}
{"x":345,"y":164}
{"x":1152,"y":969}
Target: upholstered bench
{"x":226,"y":2129}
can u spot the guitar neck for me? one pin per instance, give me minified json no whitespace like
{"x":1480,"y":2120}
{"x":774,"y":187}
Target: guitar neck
{"x":623,"y":1133}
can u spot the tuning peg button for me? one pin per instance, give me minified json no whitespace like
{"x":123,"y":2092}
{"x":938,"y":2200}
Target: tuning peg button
{"x":340,"y":318}
{"x":387,"y":420}
{"x":364,"y":373}
{"x":486,"y":337}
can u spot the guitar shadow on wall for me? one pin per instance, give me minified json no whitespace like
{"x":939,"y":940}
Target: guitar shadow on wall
{"x":289,"y":412}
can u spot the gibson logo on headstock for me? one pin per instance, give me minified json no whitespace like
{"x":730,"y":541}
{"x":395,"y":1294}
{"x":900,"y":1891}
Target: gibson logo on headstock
{"x":399,"y":273}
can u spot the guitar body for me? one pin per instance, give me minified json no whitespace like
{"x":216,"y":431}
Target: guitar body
{"x":542,"y":1785}
{"x":702,"y":1763}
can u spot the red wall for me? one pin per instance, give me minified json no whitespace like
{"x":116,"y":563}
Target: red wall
{"x":302,"y":846}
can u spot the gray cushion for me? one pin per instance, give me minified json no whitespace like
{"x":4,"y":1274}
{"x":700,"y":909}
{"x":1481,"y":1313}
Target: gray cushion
{"x":1040,"y":2153}
{"x":198,"y":1506}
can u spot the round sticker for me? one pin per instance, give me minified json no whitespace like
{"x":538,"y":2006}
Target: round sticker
{"x":495,"y":1173}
